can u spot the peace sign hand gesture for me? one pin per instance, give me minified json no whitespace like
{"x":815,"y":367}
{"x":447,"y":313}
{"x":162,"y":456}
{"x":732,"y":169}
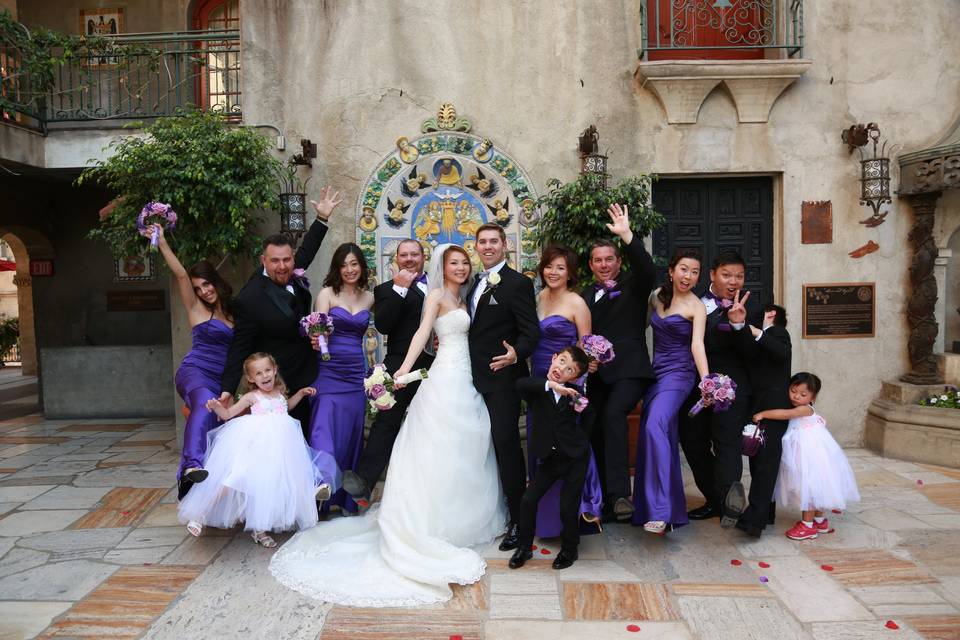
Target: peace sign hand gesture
{"x":620,"y":222}
{"x":737,"y":314}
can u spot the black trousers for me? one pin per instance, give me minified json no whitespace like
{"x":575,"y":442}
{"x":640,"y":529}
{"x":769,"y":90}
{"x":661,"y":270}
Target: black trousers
{"x":764,"y":468}
{"x":613,"y":403}
{"x":711,"y":443}
{"x":572,"y":472}
{"x":383,"y":433}
{"x":504,"y":409}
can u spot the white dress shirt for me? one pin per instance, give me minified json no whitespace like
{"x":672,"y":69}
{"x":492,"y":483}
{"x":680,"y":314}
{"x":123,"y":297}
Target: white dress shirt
{"x":402,"y":291}
{"x":482,"y":284}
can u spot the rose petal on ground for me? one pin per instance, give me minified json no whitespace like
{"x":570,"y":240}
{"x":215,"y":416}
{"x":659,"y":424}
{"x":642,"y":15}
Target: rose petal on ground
{"x":764,"y":565}
{"x":764,"y":579}
{"x":891,"y":625}
{"x":545,"y":552}
{"x":632,"y":628}
{"x":736,"y":562}
{"x":827,"y":567}
{"x":919,"y":482}
{"x":533,"y":547}
{"x":836,"y":511}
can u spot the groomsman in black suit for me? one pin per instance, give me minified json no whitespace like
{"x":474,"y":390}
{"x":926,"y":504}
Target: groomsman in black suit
{"x":399,"y":303}
{"x":503,"y":333}
{"x":618,"y":307}
{"x":269,"y":307}
{"x":770,"y":378}
{"x":561,"y":441}
{"x":711,"y":440}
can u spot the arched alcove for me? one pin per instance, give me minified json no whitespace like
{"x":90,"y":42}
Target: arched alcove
{"x":26,"y":243}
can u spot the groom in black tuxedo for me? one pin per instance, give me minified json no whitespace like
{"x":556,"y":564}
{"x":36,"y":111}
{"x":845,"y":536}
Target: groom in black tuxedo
{"x":711,"y":440}
{"x":268,"y":309}
{"x":619,"y":312}
{"x":399,"y":303}
{"x":503,"y":333}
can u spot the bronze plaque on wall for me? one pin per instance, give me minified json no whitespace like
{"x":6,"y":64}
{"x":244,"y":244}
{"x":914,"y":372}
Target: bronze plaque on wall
{"x":839,"y":310}
{"x":816,"y":222}
{"x":147,"y":300}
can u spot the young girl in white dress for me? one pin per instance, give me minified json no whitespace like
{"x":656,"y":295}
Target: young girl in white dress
{"x":814,"y":472}
{"x":261,"y":470}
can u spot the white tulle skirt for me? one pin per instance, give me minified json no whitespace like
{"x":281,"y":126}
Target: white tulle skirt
{"x":261,"y":473}
{"x":814,"y":472}
{"x":442,"y":496}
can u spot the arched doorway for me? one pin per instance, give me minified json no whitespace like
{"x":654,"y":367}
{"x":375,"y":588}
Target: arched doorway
{"x":24,"y":244}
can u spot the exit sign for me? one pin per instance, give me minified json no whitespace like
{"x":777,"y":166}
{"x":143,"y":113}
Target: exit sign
{"x":41,"y":268}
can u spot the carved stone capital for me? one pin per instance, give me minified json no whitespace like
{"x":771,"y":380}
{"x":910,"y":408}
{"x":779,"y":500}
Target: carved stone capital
{"x":22,"y":280}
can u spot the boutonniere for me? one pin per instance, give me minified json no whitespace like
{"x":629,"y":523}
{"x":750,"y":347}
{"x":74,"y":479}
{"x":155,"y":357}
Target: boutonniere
{"x":300,"y":275}
{"x":493,"y":280}
{"x":611,"y":288}
{"x":580,"y":403}
{"x":725,"y":303}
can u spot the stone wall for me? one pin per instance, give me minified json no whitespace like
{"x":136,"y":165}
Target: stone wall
{"x":355,"y":75}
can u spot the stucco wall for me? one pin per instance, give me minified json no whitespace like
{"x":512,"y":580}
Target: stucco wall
{"x":353,"y":76}
{"x":140,"y":16}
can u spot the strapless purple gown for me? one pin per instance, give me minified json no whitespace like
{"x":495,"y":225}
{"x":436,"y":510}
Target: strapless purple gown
{"x":556,"y":332}
{"x":658,"y":482}
{"x":198,"y":380}
{"x":337,"y":411}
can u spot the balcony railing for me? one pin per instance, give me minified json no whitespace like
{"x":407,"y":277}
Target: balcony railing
{"x":724,"y":29}
{"x":156,"y":75}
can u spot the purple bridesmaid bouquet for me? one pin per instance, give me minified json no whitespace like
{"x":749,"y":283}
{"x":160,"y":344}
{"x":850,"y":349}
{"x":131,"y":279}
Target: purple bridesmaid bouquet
{"x":717,"y":391}
{"x":320,"y":325}
{"x":156,"y":213}
{"x":598,"y":348}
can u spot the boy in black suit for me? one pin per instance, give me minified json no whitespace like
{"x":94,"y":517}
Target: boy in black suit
{"x":561,"y":440}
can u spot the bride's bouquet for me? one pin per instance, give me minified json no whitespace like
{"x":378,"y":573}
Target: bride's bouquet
{"x":320,"y":325}
{"x":598,"y":348}
{"x":378,"y":386}
{"x":717,"y":391}
{"x":156,"y":213}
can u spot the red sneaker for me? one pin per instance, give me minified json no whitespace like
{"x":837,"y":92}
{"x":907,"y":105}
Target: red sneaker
{"x":822,"y":527}
{"x":801,"y":531}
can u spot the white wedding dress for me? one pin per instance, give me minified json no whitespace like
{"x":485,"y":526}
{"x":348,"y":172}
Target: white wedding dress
{"x":442,"y":496}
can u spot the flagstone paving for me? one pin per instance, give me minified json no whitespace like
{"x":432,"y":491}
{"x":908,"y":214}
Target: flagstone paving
{"x":90,"y":547}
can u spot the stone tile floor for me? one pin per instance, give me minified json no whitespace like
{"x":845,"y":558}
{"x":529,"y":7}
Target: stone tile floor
{"x":90,"y":547}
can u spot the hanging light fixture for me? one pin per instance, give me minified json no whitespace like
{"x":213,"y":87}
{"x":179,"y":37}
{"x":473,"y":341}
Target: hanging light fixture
{"x":874,"y":169}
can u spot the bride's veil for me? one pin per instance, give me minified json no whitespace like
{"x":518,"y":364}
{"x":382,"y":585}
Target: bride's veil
{"x":435,"y":281}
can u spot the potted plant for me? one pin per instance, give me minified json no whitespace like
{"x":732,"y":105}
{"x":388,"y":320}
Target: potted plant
{"x":575,"y":213}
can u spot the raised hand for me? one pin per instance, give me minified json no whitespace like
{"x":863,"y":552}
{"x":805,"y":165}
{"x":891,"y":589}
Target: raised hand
{"x":327,"y":203}
{"x":737,"y":314}
{"x":620,"y":222}
{"x":507,"y":359}
{"x":404,"y":278}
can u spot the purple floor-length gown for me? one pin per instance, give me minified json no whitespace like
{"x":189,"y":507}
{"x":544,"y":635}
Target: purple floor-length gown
{"x":556,"y":332}
{"x":658,"y":482}
{"x":198,"y":380}
{"x":337,"y":411}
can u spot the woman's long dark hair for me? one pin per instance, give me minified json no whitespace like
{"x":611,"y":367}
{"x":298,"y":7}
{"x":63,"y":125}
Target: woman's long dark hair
{"x":206,"y":271}
{"x":334,"y":279}
{"x":665,"y":295}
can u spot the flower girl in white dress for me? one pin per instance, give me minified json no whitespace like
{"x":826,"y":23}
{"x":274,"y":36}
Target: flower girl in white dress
{"x":261,"y":470}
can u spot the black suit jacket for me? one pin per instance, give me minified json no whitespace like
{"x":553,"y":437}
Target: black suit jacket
{"x":267,"y":319}
{"x":770,"y":370}
{"x":729,"y":351}
{"x":623,"y":320}
{"x":555,"y":424}
{"x":398,"y":317}
{"x":506,"y":312}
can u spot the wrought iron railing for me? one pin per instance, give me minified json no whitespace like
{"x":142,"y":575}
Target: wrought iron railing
{"x":158,"y":75}
{"x":11,"y":355}
{"x":709,"y":28}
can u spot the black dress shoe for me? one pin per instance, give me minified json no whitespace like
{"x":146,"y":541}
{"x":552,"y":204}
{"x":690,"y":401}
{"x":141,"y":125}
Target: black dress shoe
{"x":565,"y":559}
{"x":705,"y":512}
{"x":196,"y":475}
{"x":751,"y":530}
{"x":519,"y":557}
{"x":357,"y":488}
{"x":183,"y":487}
{"x":734,"y":503}
{"x":511,"y":540}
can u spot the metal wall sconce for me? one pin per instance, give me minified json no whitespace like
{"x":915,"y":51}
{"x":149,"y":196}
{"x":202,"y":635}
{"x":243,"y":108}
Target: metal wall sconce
{"x":874,"y":169}
{"x":293,"y":199}
{"x":307,"y":155}
{"x":591,"y":160}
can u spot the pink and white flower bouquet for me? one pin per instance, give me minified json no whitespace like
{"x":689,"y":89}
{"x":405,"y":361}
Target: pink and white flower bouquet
{"x":598,"y":348}
{"x":320,"y":325}
{"x":378,"y":386}
{"x":717,"y":391}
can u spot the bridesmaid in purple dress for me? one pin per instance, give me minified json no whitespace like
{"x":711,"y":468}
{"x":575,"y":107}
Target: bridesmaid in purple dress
{"x":337,"y":412}
{"x":564,"y":317}
{"x":678,"y":319}
{"x":206,"y":298}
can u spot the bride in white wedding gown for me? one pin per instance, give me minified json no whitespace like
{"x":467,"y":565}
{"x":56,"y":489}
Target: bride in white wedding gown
{"x":442,"y":493}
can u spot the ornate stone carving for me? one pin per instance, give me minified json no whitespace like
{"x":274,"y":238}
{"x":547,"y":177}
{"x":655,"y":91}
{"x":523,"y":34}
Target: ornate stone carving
{"x":21,"y":280}
{"x":446,"y":120}
{"x":921,"y":307}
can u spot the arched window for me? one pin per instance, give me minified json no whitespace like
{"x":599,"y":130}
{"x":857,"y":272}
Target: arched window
{"x":219,"y":79}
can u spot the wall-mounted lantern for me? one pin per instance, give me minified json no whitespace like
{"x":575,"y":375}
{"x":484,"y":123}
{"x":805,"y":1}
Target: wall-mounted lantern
{"x":591,"y":160}
{"x":874,"y":168}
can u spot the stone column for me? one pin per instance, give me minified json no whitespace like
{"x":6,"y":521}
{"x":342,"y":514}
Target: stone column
{"x":940,"y":273}
{"x":921,"y":307}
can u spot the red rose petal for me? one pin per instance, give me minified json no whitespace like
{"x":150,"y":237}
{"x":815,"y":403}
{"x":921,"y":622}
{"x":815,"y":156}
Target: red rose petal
{"x":827,"y":567}
{"x":533,"y":547}
{"x":124,"y":513}
{"x":836,"y":511}
{"x":735,"y":562}
{"x":457,"y":637}
{"x":764,"y":565}
{"x":891,"y":625}
{"x":545,"y":552}
{"x":920,"y":482}
{"x":632,"y":628}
